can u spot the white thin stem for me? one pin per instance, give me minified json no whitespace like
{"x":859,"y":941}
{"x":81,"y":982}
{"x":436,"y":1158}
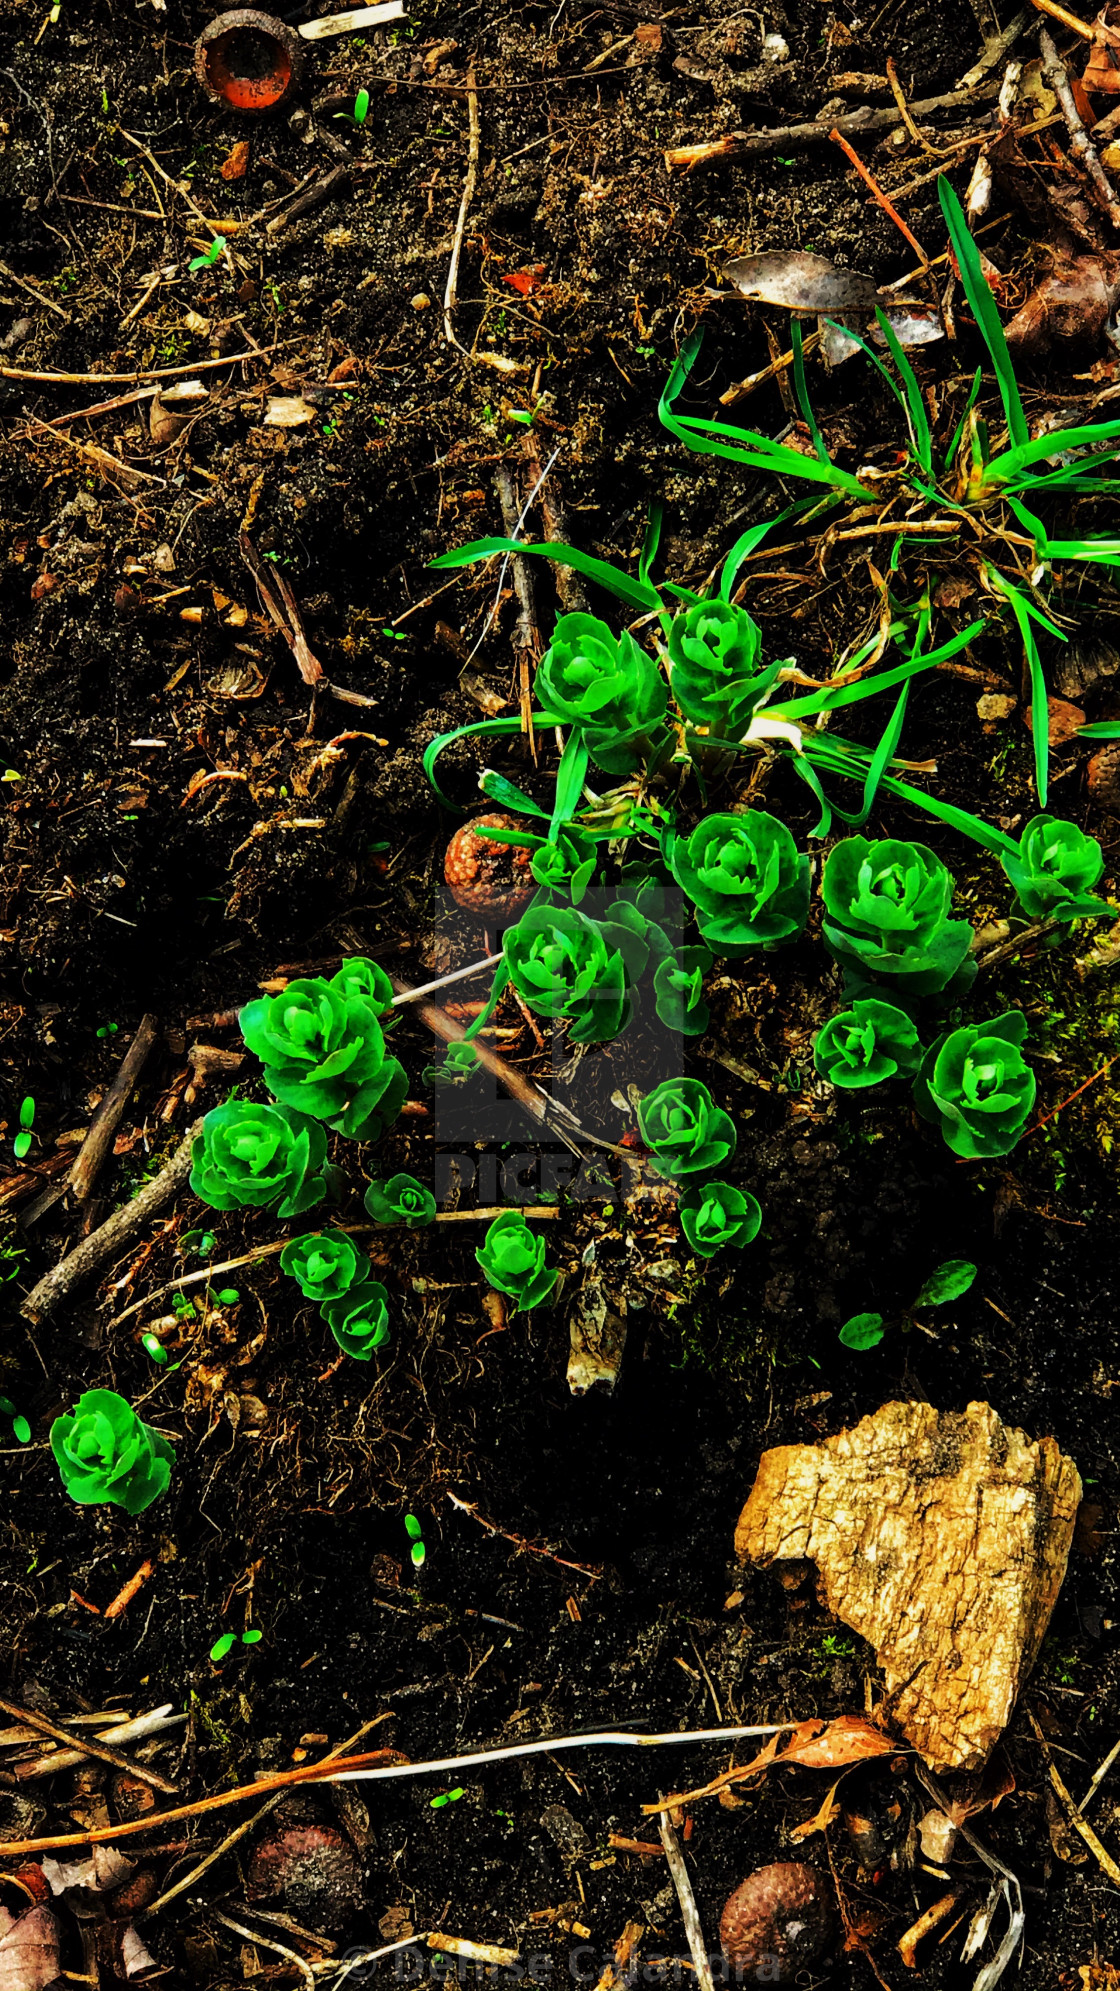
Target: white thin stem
{"x":460,"y":975}
{"x":611,"y":1738}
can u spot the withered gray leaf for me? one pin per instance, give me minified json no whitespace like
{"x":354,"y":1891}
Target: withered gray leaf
{"x":801,"y":282}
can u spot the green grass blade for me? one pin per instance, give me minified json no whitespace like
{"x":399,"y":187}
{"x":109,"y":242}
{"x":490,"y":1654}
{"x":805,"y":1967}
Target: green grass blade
{"x":479,"y":729}
{"x":1012,"y":461}
{"x":754,"y":535}
{"x":802,"y":392}
{"x":1024,"y":612}
{"x":636,"y":594}
{"x":650,"y":542}
{"x":950,"y":453}
{"x":984,"y":311}
{"x":845,"y":758}
{"x":711,"y":438}
{"x":853,"y":694}
{"x":915,"y":405}
{"x":1101,"y":729}
{"x":570,"y":777}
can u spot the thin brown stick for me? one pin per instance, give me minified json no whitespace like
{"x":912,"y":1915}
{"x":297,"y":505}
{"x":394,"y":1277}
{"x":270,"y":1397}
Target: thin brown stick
{"x":591,"y":1569}
{"x":38,"y":295}
{"x":129,"y":1590}
{"x":451,"y":292}
{"x":248,"y":1824}
{"x":268,"y":1943}
{"x":283,"y":612}
{"x":690,"y":1914}
{"x":883,"y":199}
{"x":302,"y":203}
{"x":527,"y":644}
{"x":105,"y":1121}
{"x":539,"y":1106}
{"x":100,"y":1834}
{"x":757,"y":144}
{"x":164,"y":176}
{"x":1081,"y":145}
{"x":87,"y":1745}
{"x":925,"y":1924}
{"x":139,"y":373}
{"x":1069,"y":1805}
{"x":59,"y":1283}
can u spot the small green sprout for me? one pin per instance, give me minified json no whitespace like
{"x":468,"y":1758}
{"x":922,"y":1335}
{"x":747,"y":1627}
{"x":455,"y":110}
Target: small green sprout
{"x":11,"y":774}
{"x":228,"y":1297}
{"x":108,"y":1029}
{"x":202,"y":1243}
{"x":223,"y":1646}
{"x":360,"y":112}
{"x":447,"y":1797}
{"x":948,"y":1281}
{"x":21,"y":1146}
{"x":21,"y":1429}
{"x":209,"y":256}
{"x":413,"y":1530}
{"x":154,"y":1347}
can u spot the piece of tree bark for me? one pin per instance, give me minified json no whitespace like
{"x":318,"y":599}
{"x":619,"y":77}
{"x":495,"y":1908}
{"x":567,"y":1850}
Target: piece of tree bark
{"x":942,"y":1538}
{"x":105,"y":1121}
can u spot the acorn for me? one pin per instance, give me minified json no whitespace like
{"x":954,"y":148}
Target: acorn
{"x":778,"y":1921}
{"x":488,"y":878}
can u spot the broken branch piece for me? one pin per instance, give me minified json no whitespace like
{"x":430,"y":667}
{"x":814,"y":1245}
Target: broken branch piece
{"x":942,"y":1538}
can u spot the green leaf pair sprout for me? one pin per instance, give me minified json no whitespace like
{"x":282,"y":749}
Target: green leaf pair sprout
{"x":21,"y":1146}
{"x":418,"y":1554}
{"x":21,"y":1429}
{"x":950,"y":1281}
{"x":223,"y":1646}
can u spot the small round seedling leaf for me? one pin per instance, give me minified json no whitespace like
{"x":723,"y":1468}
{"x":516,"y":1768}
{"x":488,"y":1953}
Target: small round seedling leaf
{"x":419,"y":1555}
{"x":251,"y":1638}
{"x":21,"y":1146}
{"x":228,"y":1297}
{"x":862,"y":1331}
{"x":947,"y":1283}
{"x":413,"y":1528}
{"x":7,"y":1407}
{"x":221,"y":1646}
{"x":361,"y":107}
{"x":155,"y":1348}
{"x":27,"y":1113}
{"x":21,"y":1430}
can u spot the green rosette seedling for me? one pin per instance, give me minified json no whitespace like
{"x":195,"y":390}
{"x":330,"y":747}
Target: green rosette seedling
{"x":608,"y":689}
{"x":976,"y":1084}
{"x":513,"y":1262}
{"x":887,"y":918}
{"x":359,"y":1320}
{"x":1055,"y":871}
{"x":866,"y":1044}
{"x":323,"y":1049}
{"x":566,"y":865}
{"x":678,"y":990}
{"x":714,"y":652}
{"x":715,"y":1214}
{"x":745,"y":877}
{"x":562,"y":965}
{"x":325,"y":1265}
{"x":683,"y":1128}
{"x":106,"y":1456}
{"x":401,"y":1200}
{"x":251,"y":1155}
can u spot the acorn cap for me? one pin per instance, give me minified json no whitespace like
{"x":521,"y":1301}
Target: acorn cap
{"x":782,"y":1916}
{"x":249,"y":61}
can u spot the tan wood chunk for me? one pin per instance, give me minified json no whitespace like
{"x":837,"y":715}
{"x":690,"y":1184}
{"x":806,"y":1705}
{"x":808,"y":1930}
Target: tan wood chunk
{"x":942,"y":1538}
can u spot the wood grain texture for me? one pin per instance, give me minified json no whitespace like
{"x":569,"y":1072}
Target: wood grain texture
{"x":941,"y":1538}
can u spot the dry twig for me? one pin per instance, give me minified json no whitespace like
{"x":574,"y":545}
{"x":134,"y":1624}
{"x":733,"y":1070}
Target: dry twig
{"x":104,"y":1124}
{"x":58,"y":1284}
{"x":690,"y":1914}
{"x":451,"y":292}
{"x":756,"y":144}
{"x":87,"y":1745}
{"x":1081,"y":145}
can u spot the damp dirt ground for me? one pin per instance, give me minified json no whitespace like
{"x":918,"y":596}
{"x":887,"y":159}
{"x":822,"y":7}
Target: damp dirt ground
{"x":183,"y":825}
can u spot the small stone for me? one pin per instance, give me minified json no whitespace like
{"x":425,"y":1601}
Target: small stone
{"x":778,"y":1921}
{"x":421,"y":301}
{"x":938,"y":1835}
{"x":995,"y":705}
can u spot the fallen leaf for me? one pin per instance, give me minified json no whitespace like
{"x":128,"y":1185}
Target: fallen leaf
{"x":288,"y":411}
{"x":29,"y":1956}
{"x":236,"y":166}
{"x":525,"y":281}
{"x":848,"y":1739}
{"x":101,"y":1869}
{"x":801,"y":282}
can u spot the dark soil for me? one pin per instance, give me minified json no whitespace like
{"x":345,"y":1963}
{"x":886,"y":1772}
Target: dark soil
{"x":136,"y":661}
